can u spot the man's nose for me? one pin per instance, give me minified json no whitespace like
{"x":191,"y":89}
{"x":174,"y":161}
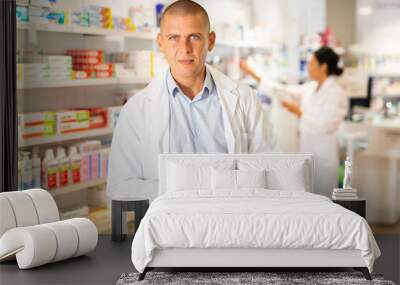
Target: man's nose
{"x":185,"y":46}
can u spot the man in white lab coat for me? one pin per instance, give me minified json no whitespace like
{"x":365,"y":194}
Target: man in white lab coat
{"x":191,"y":107}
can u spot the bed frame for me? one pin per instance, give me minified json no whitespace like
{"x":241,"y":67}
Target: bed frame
{"x":249,"y":259}
{"x":246,"y":259}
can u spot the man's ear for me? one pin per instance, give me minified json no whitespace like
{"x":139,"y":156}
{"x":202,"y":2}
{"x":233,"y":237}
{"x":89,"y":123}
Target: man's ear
{"x":159,"y":42}
{"x":211,"y":41}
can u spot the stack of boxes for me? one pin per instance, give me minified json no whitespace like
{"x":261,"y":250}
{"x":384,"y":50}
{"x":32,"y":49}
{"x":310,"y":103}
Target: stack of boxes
{"x":90,"y":64}
{"x":48,"y":15}
{"x":143,"y":15}
{"x":81,"y":120}
{"x":45,"y":12}
{"x":123,"y":24}
{"x":73,"y":121}
{"x":79,"y":18}
{"x":38,"y":124}
{"x":44,"y":67}
{"x":139,"y":63}
{"x":92,"y":16}
{"x":22,"y":13}
{"x":84,"y":64}
{"x":45,"y":124}
{"x":99,"y":16}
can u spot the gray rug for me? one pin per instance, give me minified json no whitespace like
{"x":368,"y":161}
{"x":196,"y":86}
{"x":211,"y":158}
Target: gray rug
{"x":230,"y":278}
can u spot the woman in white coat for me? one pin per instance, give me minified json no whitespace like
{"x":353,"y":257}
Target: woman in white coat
{"x":321,"y":106}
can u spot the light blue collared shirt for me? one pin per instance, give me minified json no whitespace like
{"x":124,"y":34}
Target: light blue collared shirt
{"x":196,"y":126}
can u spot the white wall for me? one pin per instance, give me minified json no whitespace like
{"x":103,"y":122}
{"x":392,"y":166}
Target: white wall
{"x":285,"y":20}
{"x":379,"y":30}
{"x":341,"y":17}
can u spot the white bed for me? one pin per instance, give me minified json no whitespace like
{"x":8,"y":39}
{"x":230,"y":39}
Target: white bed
{"x":200,"y":220}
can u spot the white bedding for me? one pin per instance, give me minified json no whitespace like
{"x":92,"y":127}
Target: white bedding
{"x":251,"y":218}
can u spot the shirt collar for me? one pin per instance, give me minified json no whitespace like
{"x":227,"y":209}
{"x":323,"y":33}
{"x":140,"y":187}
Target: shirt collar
{"x":173,"y":88}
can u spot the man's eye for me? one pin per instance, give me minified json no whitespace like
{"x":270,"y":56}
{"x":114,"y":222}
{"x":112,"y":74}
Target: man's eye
{"x":195,"y":37}
{"x":172,"y":38}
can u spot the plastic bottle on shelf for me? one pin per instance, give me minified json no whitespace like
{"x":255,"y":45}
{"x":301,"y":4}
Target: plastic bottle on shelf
{"x":63,"y":167}
{"x":49,"y":170}
{"x":36,"y":168}
{"x":94,"y":146}
{"x":75,"y":161}
{"x":85,"y":161}
{"x":104,"y":156}
{"x":26,"y":171}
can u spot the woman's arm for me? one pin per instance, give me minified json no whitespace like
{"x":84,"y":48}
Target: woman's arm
{"x":273,"y":89}
{"x":293,"y":107}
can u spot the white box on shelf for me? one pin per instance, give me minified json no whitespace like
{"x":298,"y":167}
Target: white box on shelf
{"x":113,"y":114}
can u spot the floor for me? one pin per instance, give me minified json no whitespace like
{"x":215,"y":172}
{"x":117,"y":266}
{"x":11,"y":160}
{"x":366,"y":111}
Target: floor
{"x":102,"y":266}
{"x":386,"y":229}
{"x":110,"y":260}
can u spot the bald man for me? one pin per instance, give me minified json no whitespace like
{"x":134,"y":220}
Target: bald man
{"x":191,"y":108}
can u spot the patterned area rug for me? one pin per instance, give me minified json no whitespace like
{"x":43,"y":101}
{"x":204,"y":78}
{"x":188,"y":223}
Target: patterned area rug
{"x":242,"y":278}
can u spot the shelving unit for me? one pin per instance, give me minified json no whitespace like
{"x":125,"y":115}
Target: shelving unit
{"x":81,"y":82}
{"x":77,"y":187}
{"x":66,"y":137}
{"x":246,"y":44}
{"x":139,"y":35}
{"x":99,"y":39}
{"x":85,"y":31}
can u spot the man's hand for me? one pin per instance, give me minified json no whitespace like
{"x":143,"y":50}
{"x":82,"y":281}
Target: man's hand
{"x":292,"y":107}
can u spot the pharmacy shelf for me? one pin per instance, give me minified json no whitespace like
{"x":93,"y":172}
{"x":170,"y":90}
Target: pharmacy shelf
{"x":77,"y":187}
{"x":80,"y":82}
{"x":246,"y":44}
{"x":385,"y":74}
{"x":66,"y":83}
{"x":151,"y":36}
{"x":85,"y":31}
{"x":66,"y":137}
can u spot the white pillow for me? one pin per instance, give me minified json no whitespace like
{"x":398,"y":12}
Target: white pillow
{"x":287,"y":179}
{"x":181,"y":177}
{"x":251,"y":178}
{"x":193,"y":174}
{"x":223,"y":179}
{"x":237,"y":179}
{"x":281,"y":174}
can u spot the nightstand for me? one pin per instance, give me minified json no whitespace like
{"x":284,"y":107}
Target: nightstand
{"x":357,"y":206}
{"x":118,"y":207}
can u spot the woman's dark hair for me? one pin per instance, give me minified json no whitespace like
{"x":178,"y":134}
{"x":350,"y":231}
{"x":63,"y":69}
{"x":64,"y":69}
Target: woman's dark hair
{"x":330,"y":58}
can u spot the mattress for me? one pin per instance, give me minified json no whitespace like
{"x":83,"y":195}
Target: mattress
{"x":251,"y":219}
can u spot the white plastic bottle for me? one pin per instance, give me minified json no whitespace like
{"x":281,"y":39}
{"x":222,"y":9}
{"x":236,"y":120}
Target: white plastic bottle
{"x":36,"y":168}
{"x":49,"y":170}
{"x":63,"y":167}
{"x":26,"y":171}
{"x":75,"y":160}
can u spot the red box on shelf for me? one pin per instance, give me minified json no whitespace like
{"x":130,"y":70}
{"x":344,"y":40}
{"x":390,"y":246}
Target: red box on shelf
{"x":85,"y":52}
{"x":104,"y":67}
{"x":98,"y":118}
{"x":87,"y":59}
{"x":104,"y":74}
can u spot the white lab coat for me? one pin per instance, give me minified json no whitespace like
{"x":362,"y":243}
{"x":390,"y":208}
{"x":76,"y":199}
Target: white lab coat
{"x":142,"y":133}
{"x":323,"y":112}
